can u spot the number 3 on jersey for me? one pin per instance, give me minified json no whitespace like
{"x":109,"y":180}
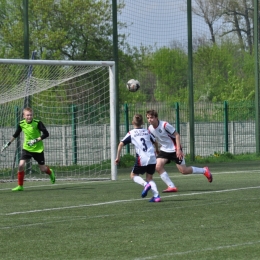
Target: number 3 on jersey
{"x":144,"y":144}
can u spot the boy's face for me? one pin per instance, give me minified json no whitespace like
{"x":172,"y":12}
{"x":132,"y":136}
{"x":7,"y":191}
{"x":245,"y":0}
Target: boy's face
{"x":28,"y":116}
{"x":152,"y":120}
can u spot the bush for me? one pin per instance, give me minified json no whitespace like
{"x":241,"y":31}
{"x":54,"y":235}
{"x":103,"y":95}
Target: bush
{"x":126,"y":161}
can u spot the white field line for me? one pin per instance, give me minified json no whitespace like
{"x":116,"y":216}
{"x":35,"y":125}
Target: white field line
{"x":250,"y":243}
{"x":55,"y":221}
{"x":123,"y":201}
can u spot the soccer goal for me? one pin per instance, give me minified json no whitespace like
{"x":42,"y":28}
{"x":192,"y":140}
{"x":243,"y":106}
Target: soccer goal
{"x":76,"y":101}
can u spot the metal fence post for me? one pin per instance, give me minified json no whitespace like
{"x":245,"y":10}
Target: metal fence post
{"x":226,"y":125}
{"x":74,"y":134}
{"x":177,"y":111}
{"x":127,"y":125}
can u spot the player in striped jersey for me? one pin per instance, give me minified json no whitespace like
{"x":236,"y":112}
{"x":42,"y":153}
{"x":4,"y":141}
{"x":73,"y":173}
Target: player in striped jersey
{"x":145,"y":157}
{"x":170,"y":150}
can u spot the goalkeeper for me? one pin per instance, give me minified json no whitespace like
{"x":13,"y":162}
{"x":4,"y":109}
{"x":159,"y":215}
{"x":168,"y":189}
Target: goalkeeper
{"x":32,"y":146}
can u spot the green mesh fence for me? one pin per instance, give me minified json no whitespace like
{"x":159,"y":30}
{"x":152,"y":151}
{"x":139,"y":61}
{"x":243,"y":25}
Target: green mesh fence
{"x":218,"y":129}
{"x":153,"y":48}
{"x":223,"y":66}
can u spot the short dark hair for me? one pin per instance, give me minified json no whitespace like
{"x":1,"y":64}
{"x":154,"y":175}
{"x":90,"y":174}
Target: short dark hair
{"x":152,"y":113}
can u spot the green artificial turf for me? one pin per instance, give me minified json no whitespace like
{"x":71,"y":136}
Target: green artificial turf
{"x":109,"y":220}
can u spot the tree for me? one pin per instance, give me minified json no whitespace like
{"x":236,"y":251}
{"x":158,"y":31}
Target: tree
{"x":236,"y":17}
{"x":11,"y":29}
{"x":74,"y":30}
{"x":223,"y":72}
{"x":210,"y":11}
{"x":239,"y":14}
{"x":169,"y":67}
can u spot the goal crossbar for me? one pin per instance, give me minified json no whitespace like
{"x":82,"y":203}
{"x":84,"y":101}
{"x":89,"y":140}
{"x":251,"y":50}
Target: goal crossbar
{"x":57,"y":62}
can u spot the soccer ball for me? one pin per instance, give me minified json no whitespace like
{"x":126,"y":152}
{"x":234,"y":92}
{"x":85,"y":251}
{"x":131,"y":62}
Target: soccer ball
{"x":133,"y":85}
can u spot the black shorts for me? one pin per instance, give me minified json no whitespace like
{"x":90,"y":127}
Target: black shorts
{"x":38,"y":157}
{"x":150,"y":169}
{"x":169,"y":156}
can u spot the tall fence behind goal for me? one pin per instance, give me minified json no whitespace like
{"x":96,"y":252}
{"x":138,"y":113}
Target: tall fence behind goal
{"x":76,"y":102}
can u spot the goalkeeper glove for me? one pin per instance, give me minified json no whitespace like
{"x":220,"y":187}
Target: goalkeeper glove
{"x":32,"y":142}
{"x":5,"y":146}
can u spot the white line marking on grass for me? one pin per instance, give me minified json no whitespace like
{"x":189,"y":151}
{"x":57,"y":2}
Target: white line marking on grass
{"x":215,"y":191}
{"x":251,"y":171}
{"x":71,"y":207}
{"x":198,"y":251}
{"x":57,"y":221}
{"x":130,"y":200}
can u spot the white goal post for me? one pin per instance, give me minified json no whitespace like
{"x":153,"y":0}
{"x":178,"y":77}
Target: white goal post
{"x":76,"y":101}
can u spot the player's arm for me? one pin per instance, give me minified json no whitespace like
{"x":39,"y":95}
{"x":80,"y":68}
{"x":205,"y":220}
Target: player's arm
{"x":156,"y":146}
{"x":154,"y":142}
{"x":119,"y":149}
{"x":7,"y":144}
{"x":125,"y":140}
{"x":179,"y":152}
{"x":44,"y":131}
{"x":16,"y":134}
{"x":44,"y":135}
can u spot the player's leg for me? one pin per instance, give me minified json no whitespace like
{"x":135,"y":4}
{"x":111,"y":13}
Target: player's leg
{"x":47,"y":170}
{"x":156,"y":196}
{"x":194,"y":170}
{"x":134,"y":175}
{"x":149,"y":178}
{"x":39,"y":157}
{"x":160,"y":162}
{"x":20,"y":176}
{"x":186,"y":169}
{"x":137,"y":179}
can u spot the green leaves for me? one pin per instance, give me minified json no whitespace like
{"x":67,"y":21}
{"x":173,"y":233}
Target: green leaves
{"x":223,"y":72}
{"x":76,"y":30}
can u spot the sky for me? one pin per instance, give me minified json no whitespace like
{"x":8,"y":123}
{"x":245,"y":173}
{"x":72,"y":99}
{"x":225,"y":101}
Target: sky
{"x":159,"y":21}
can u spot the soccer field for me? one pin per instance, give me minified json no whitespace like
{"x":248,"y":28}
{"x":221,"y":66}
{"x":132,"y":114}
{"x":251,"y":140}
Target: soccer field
{"x":109,"y":219}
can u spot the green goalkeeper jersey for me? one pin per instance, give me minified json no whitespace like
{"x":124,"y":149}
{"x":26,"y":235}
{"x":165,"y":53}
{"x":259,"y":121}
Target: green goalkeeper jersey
{"x":32,"y":131}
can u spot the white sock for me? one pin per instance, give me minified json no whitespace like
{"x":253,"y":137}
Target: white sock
{"x":154,"y":188}
{"x":139,"y":180}
{"x":196,"y":170}
{"x":165,"y":177}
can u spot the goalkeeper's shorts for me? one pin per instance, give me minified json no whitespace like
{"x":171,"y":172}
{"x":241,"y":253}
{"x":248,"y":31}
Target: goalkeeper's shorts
{"x":38,"y":157}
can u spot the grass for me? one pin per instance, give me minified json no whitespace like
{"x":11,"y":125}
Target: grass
{"x":109,"y":220}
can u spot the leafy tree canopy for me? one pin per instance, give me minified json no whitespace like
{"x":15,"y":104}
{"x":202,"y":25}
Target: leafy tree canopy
{"x":74,"y":30}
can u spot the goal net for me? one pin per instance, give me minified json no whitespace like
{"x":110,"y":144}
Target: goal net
{"x":76,"y":102}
